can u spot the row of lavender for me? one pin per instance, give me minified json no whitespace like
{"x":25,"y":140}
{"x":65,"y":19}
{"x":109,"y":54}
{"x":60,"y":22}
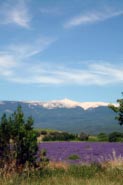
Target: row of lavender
{"x":87,"y":152}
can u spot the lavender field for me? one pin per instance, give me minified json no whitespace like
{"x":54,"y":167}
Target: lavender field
{"x":85,"y":152}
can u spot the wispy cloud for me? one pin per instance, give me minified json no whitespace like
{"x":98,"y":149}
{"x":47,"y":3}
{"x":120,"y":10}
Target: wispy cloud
{"x":15,"y":12}
{"x":7,"y":65}
{"x":19,"y":64}
{"x":25,"y":50}
{"x":14,"y":59}
{"x":107,"y":73}
{"x":33,"y":73}
{"x":92,"y":17}
{"x":101,"y":74}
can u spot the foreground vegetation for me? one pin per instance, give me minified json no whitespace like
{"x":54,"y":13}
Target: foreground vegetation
{"x":59,"y":174}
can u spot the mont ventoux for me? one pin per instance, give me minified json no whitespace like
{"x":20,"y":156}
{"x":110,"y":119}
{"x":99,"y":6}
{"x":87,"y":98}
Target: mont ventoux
{"x":67,"y":115}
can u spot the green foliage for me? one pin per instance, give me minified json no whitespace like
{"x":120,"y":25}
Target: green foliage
{"x":43,"y":132}
{"x":73,"y":175}
{"x":43,"y":159}
{"x":93,"y":138}
{"x":59,"y":136}
{"x":85,"y":171}
{"x":83,"y":136}
{"x":102,"y":137}
{"x":115,"y":109}
{"x":40,"y":132}
{"x":118,"y":110}
{"x":5,"y":134}
{"x":64,"y":136}
{"x":115,"y":137}
{"x":18,"y":140}
{"x":73,"y":157}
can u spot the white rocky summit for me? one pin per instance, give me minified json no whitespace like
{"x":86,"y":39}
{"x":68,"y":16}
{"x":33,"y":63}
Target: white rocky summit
{"x":67,"y":103}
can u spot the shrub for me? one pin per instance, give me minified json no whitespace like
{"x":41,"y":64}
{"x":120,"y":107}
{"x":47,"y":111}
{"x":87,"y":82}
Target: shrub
{"x":115,"y":136}
{"x":43,"y":132}
{"x":83,"y":136}
{"x":93,"y":138}
{"x":73,"y":157}
{"x":59,"y":136}
{"x":102,"y":137}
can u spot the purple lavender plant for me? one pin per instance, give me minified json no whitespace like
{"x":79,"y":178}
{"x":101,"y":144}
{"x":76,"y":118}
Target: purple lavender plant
{"x":87,"y":152}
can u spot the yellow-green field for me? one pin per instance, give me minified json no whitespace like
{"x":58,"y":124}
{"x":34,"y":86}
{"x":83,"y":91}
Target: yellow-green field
{"x":59,"y":174}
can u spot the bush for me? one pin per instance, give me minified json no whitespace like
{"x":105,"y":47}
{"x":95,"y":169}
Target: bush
{"x":102,"y":137}
{"x":83,"y":136}
{"x":73,"y":157}
{"x":59,"y":136}
{"x":93,"y":138}
{"x":18,"y":140}
{"x":115,"y":136}
{"x":43,"y":132}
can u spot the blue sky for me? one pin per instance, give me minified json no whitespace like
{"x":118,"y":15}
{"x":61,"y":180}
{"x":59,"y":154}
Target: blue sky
{"x":61,"y":49}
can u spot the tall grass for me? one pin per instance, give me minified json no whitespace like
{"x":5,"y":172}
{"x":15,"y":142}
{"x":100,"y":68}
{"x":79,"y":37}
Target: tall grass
{"x":59,"y":174}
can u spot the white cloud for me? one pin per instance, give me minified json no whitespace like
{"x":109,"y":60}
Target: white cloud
{"x":15,"y":13}
{"x":92,"y":17}
{"x":109,"y":73}
{"x":35,"y":80}
{"x":14,"y":61}
{"x":93,"y":74}
{"x":6,"y":61}
{"x":30,"y":49}
{"x":16,"y":68}
{"x":7,"y":65}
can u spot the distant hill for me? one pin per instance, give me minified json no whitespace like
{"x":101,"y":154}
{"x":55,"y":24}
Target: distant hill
{"x":67,"y":115}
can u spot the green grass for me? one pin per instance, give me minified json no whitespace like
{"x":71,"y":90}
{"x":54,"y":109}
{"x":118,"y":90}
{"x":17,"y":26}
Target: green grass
{"x":74,"y":175}
{"x":93,"y":138}
{"x":73,"y":157}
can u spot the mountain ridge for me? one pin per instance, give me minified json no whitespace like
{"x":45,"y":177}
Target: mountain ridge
{"x":66,"y":115}
{"x":66,"y":103}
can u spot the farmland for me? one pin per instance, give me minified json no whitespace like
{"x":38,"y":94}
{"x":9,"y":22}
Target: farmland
{"x":74,"y":163}
{"x":82,"y":152}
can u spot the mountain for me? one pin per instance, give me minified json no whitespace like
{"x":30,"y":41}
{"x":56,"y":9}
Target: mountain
{"x":66,"y":103}
{"x":67,"y":115}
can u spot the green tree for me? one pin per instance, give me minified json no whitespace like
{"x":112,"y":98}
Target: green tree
{"x":83,"y":136}
{"x":4,"y":139}
{"x":18,"y":138}
{"x":115,"y":137}
{"x":102,"y":137}
{"x":119,"y":110}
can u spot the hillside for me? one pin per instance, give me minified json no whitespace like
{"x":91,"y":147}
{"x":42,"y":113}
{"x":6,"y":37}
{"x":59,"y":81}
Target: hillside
{"x":91,"y":117}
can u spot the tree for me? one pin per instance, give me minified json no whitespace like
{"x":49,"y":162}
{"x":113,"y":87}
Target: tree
{"x":18,"y":140}
{"x":4,"y":138}
{"x":83,"y":136}
{"x":102,"y":137}
{"x":119,"y":110}
{"x":115,"y":136}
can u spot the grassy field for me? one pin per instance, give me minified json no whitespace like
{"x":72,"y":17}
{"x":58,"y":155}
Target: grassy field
{"x":59,"y":174}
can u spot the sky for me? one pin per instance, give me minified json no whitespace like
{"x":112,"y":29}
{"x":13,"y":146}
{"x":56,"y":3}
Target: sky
{"x":53,"y":50}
